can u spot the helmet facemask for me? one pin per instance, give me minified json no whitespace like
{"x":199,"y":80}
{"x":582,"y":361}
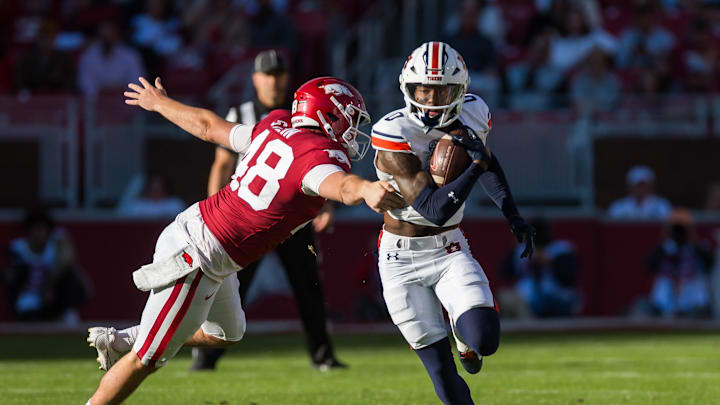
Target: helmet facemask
{"x":352,"y":118}
{"x":447,"y":102}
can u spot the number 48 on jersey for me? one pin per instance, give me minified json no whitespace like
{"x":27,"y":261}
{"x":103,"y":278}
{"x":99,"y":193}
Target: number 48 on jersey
{"x":245,"y":175}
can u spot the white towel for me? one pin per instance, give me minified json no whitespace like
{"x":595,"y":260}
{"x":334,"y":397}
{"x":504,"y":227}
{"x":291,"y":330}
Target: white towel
{"x":165,"y":272}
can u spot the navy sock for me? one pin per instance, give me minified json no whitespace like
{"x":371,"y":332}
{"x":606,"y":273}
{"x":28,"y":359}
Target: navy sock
{"x":440,"y":365}
{"x":479,"y":328}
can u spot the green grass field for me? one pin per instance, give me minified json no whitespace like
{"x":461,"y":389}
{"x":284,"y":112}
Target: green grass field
{"x":610,"y":368}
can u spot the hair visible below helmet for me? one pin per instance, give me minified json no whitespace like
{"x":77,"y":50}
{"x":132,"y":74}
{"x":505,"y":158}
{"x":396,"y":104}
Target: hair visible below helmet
{"x":336,"y":108}
{"x":437,"y":66}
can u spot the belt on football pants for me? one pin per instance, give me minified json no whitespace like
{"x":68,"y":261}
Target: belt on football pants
{"x":392,"y":241}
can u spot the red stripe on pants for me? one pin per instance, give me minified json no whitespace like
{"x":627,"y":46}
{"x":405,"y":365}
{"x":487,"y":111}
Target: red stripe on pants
{"x":178,"y":319}
{"x":161,"y":317}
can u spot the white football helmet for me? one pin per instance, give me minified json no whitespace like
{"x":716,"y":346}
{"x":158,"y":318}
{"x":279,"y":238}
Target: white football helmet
{"x":442,"y":73}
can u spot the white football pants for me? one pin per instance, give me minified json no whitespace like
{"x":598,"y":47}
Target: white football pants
{"x":422,"y":275}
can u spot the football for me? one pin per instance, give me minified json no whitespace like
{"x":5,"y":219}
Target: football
{"x":448,"y":160}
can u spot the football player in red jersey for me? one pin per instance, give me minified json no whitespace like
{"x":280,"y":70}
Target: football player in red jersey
{"x":292,"y":162}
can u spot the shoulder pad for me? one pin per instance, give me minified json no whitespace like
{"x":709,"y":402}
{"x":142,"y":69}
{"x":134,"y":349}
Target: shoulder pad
{"x":391,"y":132}
{"x":476,"y":115}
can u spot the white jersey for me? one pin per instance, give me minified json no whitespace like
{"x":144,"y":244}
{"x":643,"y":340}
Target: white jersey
{"x":397,"y":132}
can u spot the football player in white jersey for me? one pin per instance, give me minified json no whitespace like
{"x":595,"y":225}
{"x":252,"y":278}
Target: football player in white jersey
{"x":424,"y":259}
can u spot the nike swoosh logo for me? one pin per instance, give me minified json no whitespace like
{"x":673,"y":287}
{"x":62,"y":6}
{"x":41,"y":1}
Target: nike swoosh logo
{"x":208,"y":297}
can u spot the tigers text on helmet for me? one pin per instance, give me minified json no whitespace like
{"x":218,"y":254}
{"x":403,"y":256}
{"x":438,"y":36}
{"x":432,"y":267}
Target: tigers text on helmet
{"x":335,"y":107}
{"x":433,"y":82}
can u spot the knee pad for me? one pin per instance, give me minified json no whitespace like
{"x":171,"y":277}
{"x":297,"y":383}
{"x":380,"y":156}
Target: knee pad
{"x":228,"y":331}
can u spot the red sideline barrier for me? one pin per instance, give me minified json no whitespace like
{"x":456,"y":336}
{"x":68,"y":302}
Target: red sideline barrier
{"x":612,"y":257}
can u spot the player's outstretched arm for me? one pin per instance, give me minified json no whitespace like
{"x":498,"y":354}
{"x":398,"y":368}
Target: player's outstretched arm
{"x":350,"y":189}
{"x":199,"y":122}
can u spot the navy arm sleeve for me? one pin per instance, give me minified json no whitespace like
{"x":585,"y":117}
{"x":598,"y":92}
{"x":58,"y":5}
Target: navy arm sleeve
{"x":497,"y":188}
{"x":439,"y":204}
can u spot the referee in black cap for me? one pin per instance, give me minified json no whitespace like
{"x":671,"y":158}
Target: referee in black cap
{"x":298,"y":258}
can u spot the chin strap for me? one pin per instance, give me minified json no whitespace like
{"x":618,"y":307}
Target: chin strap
{"x":430,"y":122}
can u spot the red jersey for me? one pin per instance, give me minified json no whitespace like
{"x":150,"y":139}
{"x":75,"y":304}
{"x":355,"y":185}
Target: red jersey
{"x":264,"y":203}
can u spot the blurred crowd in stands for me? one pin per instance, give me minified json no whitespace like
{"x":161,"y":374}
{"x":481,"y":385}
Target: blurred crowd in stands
{"x":88,"y":46}
{"x":588,"y":51}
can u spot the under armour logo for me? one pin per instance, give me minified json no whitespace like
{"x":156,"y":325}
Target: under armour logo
{"x":453,"y":247}
{"x":393,"y":256}
{"x":452,"y":197}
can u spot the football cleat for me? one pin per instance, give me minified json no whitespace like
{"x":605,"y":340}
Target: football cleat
{"x":471,"y":361}
{"x":102,"y":338}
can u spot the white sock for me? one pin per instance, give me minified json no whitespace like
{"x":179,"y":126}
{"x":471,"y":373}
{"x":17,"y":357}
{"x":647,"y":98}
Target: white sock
{"x":125,"y":339}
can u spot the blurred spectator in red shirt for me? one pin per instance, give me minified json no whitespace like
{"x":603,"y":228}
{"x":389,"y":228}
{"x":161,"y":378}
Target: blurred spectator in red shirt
{"x":597,"y":87}
{"x":646,"y":42}
{"x":42,"y":68}
{"x":681,"y":265}
{"x":108,"y":63}
{"x":641,"y":203}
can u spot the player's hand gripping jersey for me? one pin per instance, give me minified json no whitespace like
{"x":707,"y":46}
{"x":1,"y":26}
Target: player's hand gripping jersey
{"x":274,"y":190}
{"x":398,"y":132}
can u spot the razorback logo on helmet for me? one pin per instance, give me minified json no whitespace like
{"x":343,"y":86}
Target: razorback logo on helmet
{"x":336,"y":154}
{"x":336,"y":89}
